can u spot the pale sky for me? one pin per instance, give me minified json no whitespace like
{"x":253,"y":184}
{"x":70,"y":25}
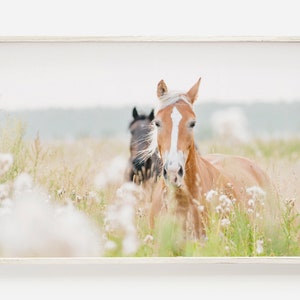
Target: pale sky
{"x":45,"y":75}
{"x":42,"y":75}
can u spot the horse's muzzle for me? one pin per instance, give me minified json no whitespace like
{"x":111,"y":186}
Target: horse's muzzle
{"x":173,"y":176}
{"x":138,"y":163}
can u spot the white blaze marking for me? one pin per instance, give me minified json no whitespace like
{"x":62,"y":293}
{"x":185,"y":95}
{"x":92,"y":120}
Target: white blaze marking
{"x":176,"y":118}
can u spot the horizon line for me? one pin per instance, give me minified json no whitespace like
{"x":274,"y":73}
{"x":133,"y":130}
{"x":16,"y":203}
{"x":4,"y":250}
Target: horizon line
{"x":123,"y":106}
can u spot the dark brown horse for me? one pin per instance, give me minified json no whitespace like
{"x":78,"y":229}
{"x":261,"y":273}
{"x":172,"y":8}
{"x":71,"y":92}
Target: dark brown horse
{"x":141,"y":167}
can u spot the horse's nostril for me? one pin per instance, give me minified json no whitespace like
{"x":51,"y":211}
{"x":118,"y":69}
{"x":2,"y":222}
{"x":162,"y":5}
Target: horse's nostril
{"x":165,"y":173}
{"x":180,"y":172}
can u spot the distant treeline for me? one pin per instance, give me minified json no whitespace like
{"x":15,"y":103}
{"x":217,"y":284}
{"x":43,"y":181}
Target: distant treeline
{"x":271,"y":119}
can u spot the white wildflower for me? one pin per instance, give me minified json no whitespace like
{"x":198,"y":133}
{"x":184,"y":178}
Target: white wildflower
{"x":227,"y":209}
{"x":107,"y":222}
{"x":229,"y":185}
{"x":290,"y":202}
{"x":32,"y":226}
{"x":210,"y":195}
{"x":110,"y":245}
{"x":92,"y":196}
{"x":23,"y":183}
{"x":225,"y":201}
{"x":4,"y":191}
{"x":201,"y":208}
{"x":112,"y":173}
{"x":120,"y":216}
{"x":130,"y":244}
{"x":6,"y":207}
{"x":225,"y":222}
{"x":140,"y":212}
{"x":6,"y":161}
{"x":259,"y":216}
{"x":126,"y":217}
{"x":259,"y":246}
{"x":256,"y":192}
{"x":219,"y":209}
{"x":129,"y":192}
{"x":60,"y":192}
{"x":79,"y":233}
{"x":250,"y":211}
{"x":148,"y":239}
{"x":251,"y":202}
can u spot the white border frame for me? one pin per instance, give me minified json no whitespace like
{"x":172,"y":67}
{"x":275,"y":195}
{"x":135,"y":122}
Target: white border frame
{"x":154,"y":39}
{"x":252,"y":269}
{"x":267,"y":260}
{"x":122,"y":266}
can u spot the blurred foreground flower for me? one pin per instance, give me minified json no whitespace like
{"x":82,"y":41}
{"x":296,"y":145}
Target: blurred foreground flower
{"x":32,"y":226}
{"x":6,"y":161}
{"x":259,"y":246}
{"x":120,"y":216}
{"x":112,"y":173}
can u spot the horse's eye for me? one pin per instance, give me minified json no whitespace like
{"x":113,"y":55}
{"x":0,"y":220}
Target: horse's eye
{"x":192,"y":124}
{"x":157,"y":123}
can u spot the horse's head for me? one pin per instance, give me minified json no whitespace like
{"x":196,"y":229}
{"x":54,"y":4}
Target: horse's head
{"x":140,"y":128}
{"x":174,"y":122}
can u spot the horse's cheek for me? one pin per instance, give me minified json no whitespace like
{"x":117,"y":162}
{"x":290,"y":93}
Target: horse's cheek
{"x":163,"y":143}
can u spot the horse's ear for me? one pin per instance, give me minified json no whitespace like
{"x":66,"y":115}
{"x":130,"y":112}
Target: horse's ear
{"x":193,"y":92}
{"x":135,"y":113}
{"x":151,"y":115}
{"x":161,"y":89}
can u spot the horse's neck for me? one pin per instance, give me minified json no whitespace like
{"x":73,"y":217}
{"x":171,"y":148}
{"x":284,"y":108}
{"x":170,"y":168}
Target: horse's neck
{"x":201,"y":175}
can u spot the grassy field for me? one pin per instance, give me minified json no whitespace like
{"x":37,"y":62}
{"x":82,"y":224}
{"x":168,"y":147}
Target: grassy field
{"x":87,"y":175}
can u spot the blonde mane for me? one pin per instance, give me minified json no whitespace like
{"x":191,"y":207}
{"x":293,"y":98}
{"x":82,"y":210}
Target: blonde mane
{"x":171,"y":98}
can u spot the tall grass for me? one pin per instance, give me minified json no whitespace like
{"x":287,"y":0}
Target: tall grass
{"x":68,"y":171}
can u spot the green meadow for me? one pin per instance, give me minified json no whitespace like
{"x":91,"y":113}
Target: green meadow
{"x":88,"y":173}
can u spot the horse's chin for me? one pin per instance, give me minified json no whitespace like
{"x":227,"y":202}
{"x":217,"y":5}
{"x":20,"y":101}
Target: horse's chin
{"x":174,"y":185}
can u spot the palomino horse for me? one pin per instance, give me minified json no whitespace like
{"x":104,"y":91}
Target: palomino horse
{"x":188,"y":176}
{"x":141,"y":168}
